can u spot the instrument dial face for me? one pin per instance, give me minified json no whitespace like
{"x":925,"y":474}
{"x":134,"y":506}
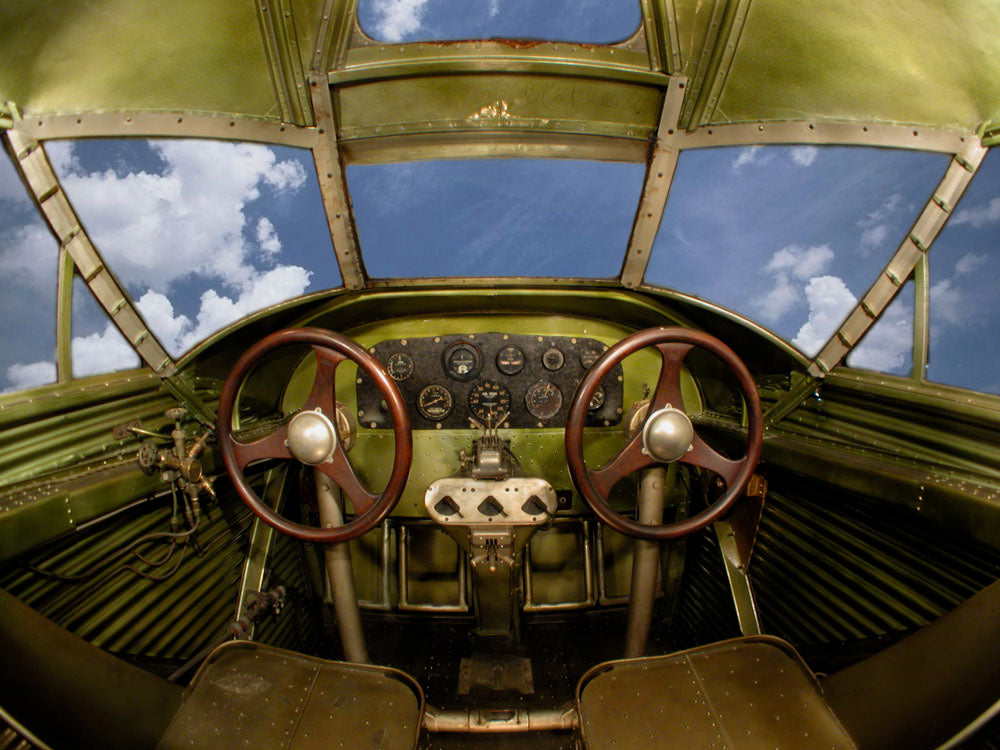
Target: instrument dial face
{"x":543,"y":400}
{"x":588,"y":356}
{"x":399,"y":366}
{"x":510,"y":360}
{"x":489,"y":401}
{"x":462,"y":360}
{"x":435,"y":402}
{"x":553,"y":359}
{"x":597,"y":400}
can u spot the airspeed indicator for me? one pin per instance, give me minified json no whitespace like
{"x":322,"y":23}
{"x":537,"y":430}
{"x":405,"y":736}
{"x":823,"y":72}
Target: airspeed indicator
{"x":489,"y":401}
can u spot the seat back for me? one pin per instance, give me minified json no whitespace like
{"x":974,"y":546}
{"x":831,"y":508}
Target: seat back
{"x":69,"y":693}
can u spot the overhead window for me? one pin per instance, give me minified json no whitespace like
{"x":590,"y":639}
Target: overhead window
{"x":588,"y":21}
{"x":791,"y":236}
{"x":201,"y":233}
{"x":501,"y":217}
{"x":965,"y":270}
{"x":29,"y":259}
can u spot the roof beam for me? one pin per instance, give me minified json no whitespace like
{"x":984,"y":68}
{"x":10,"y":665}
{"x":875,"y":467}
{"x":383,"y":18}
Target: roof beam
{"x":281,"y":47}
{"x":333,"y":186}
{"x":659,"y":176}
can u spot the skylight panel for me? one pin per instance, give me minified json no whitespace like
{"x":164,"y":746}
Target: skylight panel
{"x":586,"y":21}
{"x":791,"y":236}
{"x":502,"y":217}
{"x":201,"y":233}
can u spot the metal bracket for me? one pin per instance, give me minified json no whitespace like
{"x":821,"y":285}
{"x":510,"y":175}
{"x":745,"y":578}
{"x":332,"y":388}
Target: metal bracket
{"x":736,"y":536}
{"x":333,"y":186}
{"x":916,"y":245}
{"x":659,"y":176}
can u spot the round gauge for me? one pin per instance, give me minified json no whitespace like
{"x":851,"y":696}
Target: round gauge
{"x":553,"y":359}
{"x":588,"y":356}
{"x":597,"y":400}
{"x":462,"y":360}
{"x":510,"y":360}
{"x":399,"y":365}
{"x":435,"y":402}
{"x":543,"y":400}
{"x":489,"y":401}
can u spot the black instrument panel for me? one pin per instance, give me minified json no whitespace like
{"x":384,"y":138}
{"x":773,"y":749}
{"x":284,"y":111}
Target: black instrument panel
{"x":445,"y":380}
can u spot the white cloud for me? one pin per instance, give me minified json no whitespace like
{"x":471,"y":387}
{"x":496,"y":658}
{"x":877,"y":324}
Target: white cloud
{"x":28,"y":257}
{"x":979,"y":216}
{"x":947,"y":303}
{"x":107,"y":351}
{"x":968,"y":263}
{"x":750,"y":155}
{"x":801,"y":262}
{"x":880,"y":214}
{"x":395,"y":19}
{"x":782,"y":298}
{"x":873,"y":238}
{"x":178,"y":333}
{"x":804,"y":156}
{"x":21,"y":376}
{"x":829,"y":302}
{"x":266,"y":236}
{"x":193,"y":214}
{"x":494,"y":9}
{"x":788,"y":263}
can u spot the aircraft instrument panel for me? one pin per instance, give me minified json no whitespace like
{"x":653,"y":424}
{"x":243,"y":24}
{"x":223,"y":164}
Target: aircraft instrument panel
{"x":516,"y":380}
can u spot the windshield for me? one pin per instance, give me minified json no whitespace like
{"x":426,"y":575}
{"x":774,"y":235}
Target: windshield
{"x":503,"y":217}
{"x":791,"y":236}
{"x":201,"y":233}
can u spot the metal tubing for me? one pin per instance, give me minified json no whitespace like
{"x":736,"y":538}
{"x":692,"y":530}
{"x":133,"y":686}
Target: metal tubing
{"x":341,"y":573}
{"x":645,"y":563}
{"x":501,"y":721}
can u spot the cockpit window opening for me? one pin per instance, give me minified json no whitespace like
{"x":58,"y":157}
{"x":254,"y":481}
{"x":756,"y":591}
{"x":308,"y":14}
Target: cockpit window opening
{"x":583,"y":21}
{"x":964,"y":271}
{"x":29,"y":260}
{"x":201,"y":233}
{"x":495,"y":217}
{"x":97,"y":346}
{"x":790,"y":236}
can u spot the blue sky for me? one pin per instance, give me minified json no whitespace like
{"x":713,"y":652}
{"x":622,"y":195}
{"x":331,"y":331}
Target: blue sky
{"x":591,"y":21}
{"x":203,"y":232}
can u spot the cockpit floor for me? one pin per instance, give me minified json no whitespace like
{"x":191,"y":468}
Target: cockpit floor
{"x":560,"y":650}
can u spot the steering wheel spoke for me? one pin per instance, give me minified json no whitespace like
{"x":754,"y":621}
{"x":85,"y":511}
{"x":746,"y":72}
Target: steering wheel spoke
{"x":274,"y":445}
{"x":668,"y":387}
{"x":321,"y":396}
{"x":629,"y":460}
{"x":340,"y":471}
{"x":703,"y":455}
